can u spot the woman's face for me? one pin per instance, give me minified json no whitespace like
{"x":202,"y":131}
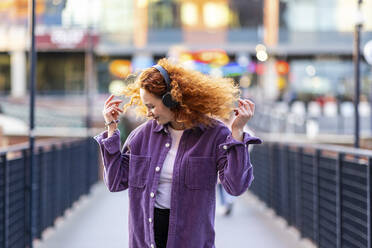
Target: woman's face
{"x":155,"y":108}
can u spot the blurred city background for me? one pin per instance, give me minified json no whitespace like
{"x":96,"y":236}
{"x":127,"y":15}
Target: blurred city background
{"x":296,"y":59}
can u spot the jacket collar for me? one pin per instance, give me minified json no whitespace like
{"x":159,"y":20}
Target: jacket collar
{"x":164,"y":128}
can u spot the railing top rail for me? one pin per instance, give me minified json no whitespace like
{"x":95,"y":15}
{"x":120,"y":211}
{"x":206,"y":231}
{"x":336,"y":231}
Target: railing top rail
{"x":40,"y":143}
{"x":317,"y":146}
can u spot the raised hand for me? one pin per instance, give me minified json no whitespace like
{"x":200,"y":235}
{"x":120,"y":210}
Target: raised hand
{"x":111,"y":109}
{"x":243,"y":114}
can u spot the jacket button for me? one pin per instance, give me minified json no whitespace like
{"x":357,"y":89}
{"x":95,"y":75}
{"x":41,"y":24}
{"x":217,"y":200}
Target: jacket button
{"x":150,"y":220}
{"x":157,"y":169}
{"x":167,"y":145}
{"x":152,"y":194}
{"x":152,"y":246}
{"x":225,"y":147}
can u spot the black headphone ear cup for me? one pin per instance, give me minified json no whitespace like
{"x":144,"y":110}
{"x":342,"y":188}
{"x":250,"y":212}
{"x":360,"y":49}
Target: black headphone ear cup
{"x":168,"y":101}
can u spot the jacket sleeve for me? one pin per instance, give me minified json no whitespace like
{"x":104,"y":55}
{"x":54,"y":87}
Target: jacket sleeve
{"x":235,"y":170}
{"x":116,"y":163}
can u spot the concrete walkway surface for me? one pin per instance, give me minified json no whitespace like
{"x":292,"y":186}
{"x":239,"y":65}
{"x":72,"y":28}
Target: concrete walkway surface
{"x":100,"y":220}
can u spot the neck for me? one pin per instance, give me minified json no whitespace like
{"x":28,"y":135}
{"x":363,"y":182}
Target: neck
{"x":177,"y":125}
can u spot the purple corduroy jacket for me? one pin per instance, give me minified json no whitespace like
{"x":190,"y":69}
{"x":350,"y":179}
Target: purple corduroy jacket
{"x":203,"y":153}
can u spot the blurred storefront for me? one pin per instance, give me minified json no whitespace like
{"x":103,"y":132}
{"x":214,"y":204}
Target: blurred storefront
{"x":316,"y":38}
{"x":284,"y":48}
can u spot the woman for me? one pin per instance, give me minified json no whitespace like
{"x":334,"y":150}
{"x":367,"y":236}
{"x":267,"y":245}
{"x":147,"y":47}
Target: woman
{"x":170,"y":163}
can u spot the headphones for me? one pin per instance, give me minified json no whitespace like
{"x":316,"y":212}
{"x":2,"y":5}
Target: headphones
{"x":166,"y":97}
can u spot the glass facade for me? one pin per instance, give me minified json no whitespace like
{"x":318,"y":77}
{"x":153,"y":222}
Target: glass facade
{"x":164,"y":14}
{"x":241,"y":13}
{"x":105,"y":76}
{"x":246,"y":14}
{"x":331,"y":76}
{"x":303,"y":25}
{"x":332,"y":21}
{"x":4,"y":73}
{"x":60,"y":73}
{"x":318,"y":15}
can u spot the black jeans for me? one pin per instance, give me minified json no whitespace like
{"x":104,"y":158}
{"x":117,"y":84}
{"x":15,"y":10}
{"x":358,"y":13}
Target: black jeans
{"x":161,"y":223}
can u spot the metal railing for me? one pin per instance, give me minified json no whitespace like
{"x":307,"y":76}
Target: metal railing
{"x":324,"y":191}
{"x":63,"y":171}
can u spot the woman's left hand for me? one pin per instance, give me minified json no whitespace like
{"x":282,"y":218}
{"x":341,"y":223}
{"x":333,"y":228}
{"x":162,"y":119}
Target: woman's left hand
{"x":243,"y":114}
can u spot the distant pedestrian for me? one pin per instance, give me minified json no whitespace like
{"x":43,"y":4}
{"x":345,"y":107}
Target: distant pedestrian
{"x":170,"y":163}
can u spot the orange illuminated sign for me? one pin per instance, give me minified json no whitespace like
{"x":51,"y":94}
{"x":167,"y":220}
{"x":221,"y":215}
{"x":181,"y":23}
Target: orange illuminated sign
{"x":218,"y":57}
{"x":19,"y":8}
{"x":120,"y":68}
{"x":282,"y":67}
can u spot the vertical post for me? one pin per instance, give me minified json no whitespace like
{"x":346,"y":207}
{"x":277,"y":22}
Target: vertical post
{"x":370,"y":112}
{"x":5,"y":199}
{"x":89,"y":70}
{"x":27,"y":172}
{"x":340,"y":158}
{"x":285,"y":181}
{"x":271,"y":175}
{"x":32,"y":71}
{"x":40,"y":191}
{"x":369,"y":203}
{"x":316,"y":196}
{"x":356,"y":58}
{"x":271,"y":22}
{"x":298,"y":188}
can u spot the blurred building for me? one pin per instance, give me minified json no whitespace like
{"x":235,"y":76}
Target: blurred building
{"x":305,"y":45}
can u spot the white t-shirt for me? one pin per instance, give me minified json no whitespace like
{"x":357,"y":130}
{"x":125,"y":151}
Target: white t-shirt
{"x":163,"y":193}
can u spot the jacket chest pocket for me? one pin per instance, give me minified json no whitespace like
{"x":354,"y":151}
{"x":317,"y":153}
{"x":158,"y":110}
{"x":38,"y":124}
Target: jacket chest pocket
{"x":138,"y":170}
{"x":201,"y":173}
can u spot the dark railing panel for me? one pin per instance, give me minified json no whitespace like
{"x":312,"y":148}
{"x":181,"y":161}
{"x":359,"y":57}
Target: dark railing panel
{"x":62,"y":172}
{"x":16,"y":203}
{"x":327,"y":202}
{"x":37,"y":197}
{"x":262,"y":174}
{"x":3,"y":199}
{"x":324,"y":191}
{"x":307,"y":196}
{"x":292,"y":188}
{"x":277,"y":180}
{"x":354,"y":204}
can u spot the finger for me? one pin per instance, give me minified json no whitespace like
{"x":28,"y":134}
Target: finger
{"x":244,"y":111}
{"x":244,"y":103}
{"x":114,"y":112}
{"x":109,"y":99}
{"x":251,"y":105}
{"x":247,"y":105}
{"x":240,"y":101}
{"x":111,"y":110}
{"x":118,"y":109}
{"x":116,"y":102}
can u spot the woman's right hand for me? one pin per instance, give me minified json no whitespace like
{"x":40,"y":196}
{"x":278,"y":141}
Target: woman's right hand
{"x":111,"y":110}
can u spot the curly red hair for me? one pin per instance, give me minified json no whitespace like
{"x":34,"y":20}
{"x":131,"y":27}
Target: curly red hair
{"x":201,"y":98}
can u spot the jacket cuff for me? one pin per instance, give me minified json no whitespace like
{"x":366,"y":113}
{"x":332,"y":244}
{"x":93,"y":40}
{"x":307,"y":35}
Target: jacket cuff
{"x":247,"y":139}
{"x":111,"y":144}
